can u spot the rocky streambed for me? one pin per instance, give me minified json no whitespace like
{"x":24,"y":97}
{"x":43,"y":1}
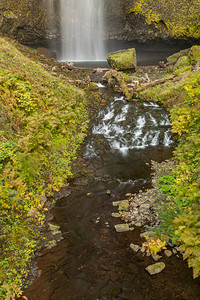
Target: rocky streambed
{"x":105,"y":213}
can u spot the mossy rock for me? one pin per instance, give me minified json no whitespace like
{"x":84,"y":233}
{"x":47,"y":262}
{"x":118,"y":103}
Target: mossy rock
{"x":182,"y":70}
{"x":93,"y":86}
{"x":123,"y":59}
{"x":194,"y":55}
{"x":174,"y":57}
{"x":183,"y":61}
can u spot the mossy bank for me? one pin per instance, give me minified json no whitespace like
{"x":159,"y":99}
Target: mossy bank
{"x":43,"y":121}
{"x":181,"y":96}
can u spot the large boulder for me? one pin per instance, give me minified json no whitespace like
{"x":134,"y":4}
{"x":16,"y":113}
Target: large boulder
{"x":123,"y":59}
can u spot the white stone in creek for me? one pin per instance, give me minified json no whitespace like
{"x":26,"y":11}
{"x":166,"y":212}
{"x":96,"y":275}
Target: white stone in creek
{"x":138,"y":224}
{"x":156,"y":257}
{"x":155,"y":268}
{"x":174,"y":251}
{"x":145,"y":206}
{"x":168,"y":253}
{"x":115,"y":215}
{"x":135,"y":248}
{"x":122,"y":227}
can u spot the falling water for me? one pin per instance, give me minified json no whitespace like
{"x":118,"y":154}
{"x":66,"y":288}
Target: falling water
{"x":82,"y":30}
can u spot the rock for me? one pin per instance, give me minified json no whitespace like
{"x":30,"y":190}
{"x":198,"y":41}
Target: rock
{"x":155,"y":268}
{"x":115,"y":203}
{"x":99,"y":70}
{"x":122,"y":227}
{"x":115,"y":215}
{"x":123,"y":59}
{"x":123,"y":205}
{"x":54,"y":228}
{"x":156,"y":257}
{"x":174,"y":251}
{"x":194,"y":55}
{"x":54,"y":69}
{"x":135,"y":248}
{"x":69,"y":65}
{"x":183,"y":61}
{"x":46,"y":53}
{"x":90,"y":195}
{"x":32,"y":213}
{"x":93,"y":86}
{"x":128,"y":195}
{"x":176,"y":56}
{"x":145,"y":206}
{"x":138,"y":224}
{"x":168,"y":253}
{"x":114,"y":276}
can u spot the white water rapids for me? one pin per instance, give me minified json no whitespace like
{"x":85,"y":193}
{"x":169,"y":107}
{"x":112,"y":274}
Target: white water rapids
{"x":82,"y":25}
{"x":127,"y":126}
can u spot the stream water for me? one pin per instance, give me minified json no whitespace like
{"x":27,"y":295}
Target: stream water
{"x":93,"y":261}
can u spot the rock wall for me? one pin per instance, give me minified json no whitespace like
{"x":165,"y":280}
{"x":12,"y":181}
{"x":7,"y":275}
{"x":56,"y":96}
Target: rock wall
{"x":145,"y":20}
{"x":26,"y":20}
{"x":32,"y":21}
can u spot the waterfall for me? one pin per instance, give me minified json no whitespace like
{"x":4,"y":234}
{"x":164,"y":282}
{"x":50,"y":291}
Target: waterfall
{"x":82,"y":30}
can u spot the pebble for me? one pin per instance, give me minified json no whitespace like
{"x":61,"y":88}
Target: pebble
{"x":174,"y":251}
{"x":115,"y":215}
{"x":135,"y":248}
{"x":156,"y":257}
{"x":168,"y":253}
{"x":122,"y":227}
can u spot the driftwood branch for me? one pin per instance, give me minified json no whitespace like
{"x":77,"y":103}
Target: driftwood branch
{"x":154,"y":83}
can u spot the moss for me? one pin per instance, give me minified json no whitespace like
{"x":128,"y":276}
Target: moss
{"x":123,"y":60}
{"x":183,"y":61}
{"x":182,"y":70}
{"x":194,"y":55}
{"x":93,"y":86}
{"x":180,"y":17}
{"x":174,"y":57}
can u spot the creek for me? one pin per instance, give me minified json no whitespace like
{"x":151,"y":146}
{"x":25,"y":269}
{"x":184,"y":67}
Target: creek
{"x":93,"y":261}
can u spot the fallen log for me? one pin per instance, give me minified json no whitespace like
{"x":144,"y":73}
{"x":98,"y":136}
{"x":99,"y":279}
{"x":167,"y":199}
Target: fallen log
{"x":154,"y":83}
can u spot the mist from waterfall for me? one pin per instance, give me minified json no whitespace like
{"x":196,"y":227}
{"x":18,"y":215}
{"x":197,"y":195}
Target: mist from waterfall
{"x":82,"y":23}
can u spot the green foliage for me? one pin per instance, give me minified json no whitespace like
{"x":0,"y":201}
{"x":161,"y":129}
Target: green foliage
{"x":42,"y":124}
{"x":154,"y":244}
{"x":187,"y":228}
{"x":181,"y":213}
{"x":166,"y":184}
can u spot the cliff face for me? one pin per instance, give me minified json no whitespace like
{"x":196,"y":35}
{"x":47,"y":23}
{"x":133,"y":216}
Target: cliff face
{"x":26,"y":20}
{"x":151,"y":19}
{"x":33,"y":21}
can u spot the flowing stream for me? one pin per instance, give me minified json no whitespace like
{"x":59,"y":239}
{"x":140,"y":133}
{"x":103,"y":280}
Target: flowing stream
{"x":82,"y":24}
{"x":93,"y":261}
